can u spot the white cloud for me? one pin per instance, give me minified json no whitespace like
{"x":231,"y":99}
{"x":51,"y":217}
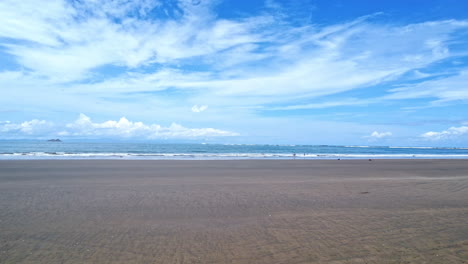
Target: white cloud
{"x":343,"y":102}
{"x":445,"y":89}
{"x":84,"y":127}
{"x":314,"y":62}
{"x":32,"y":127}
{"x":379,"y":135}
{"x":68,"y":41}
{"x":199,"y":109}
{"x":124,"y":128}
{"x":450,"y":133}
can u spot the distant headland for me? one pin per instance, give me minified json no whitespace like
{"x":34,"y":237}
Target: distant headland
{"x":54,"y":140}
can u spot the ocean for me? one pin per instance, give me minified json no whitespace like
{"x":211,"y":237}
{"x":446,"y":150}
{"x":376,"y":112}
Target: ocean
{"x":118,"y":150}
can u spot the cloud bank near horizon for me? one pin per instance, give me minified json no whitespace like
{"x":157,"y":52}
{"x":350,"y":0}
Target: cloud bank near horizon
{"x":85,"y":128}
{"x":378,"y":135}
{"x":450,"y":133}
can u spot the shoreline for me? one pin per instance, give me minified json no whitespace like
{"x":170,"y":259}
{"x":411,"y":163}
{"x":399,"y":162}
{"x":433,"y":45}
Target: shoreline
{"x":214,"y":157}
{"x":240,"y":160}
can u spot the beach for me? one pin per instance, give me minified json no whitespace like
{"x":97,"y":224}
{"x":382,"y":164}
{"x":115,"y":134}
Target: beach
{"x":234,"y":211}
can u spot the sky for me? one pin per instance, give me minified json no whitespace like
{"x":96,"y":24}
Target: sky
{"x":256,"y":72}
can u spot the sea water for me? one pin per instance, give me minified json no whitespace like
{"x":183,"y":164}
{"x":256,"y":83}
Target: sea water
{"x":119,"y":150}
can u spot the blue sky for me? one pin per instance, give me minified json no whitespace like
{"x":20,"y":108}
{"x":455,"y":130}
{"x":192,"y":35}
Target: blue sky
{"x":276,"y":72}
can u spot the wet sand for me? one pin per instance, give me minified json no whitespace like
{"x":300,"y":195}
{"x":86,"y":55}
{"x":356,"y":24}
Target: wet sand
{"x":270,"y":211}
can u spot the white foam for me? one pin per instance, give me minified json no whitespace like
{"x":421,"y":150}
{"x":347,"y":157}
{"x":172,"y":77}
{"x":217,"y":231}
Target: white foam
{"x":426,"y":148}
{"x":214,"y":156}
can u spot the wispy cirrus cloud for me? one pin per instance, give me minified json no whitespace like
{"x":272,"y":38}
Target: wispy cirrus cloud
{"x":70,"y":40}
{"x":314,"y":61}
{"x":440,"y":90}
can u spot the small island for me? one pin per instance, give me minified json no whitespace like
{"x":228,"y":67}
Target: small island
{"x":54,"y":140}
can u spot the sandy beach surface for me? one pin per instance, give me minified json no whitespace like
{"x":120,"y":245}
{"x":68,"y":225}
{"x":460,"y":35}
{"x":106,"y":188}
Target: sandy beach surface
{"x":244,"y":211}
